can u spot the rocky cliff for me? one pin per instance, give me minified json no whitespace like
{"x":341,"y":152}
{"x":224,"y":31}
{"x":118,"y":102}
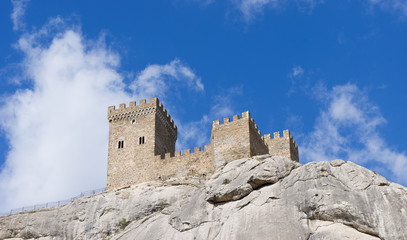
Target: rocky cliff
{"x":257,"y":198}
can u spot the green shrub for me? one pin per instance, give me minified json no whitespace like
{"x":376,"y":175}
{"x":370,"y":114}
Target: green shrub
{"x":123,"y":223}
{"x":163,"y":203}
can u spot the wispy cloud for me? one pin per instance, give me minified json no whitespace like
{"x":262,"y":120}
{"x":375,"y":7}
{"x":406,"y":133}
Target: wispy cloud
{"x":394,"y":6}
{"x":57,"y":128}
{"x":297,"y":71}
{"x":18,"y":13}
{"x":156,"y":80}
{"x":250,"y":9}
{"x":298,"y":81}
{"x":197,"y":133}
{"x":348,"y":127}
{"x":204,"y":3}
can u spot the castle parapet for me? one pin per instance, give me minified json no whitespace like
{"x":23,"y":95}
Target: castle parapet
{"x":198,"y":163}
{"x":245,"y":116}
{"x":165,"y":116}
{"x":144,"y":108}
{"x":282,"y":145}
{"x":132,"y":110}
{"x":236,"y":139}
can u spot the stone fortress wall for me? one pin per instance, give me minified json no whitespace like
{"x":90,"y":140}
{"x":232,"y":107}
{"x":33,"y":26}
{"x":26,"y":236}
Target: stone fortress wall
{"x":142,"y":145}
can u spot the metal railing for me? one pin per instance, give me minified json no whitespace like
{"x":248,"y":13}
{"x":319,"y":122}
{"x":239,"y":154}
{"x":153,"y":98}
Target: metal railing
{"x":53,"y":204}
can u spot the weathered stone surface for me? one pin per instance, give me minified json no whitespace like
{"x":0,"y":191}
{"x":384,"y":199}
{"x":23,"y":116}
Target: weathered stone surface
{"x":241,"y":177}
{"x":331,"y":230}
{"x":265,"y":198}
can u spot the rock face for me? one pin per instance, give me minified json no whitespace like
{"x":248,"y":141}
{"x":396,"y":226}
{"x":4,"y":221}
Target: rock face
{"x":257,"y":198}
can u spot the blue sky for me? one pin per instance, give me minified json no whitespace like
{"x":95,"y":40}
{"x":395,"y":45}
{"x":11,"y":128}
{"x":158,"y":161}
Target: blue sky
{"x":333,"y":72}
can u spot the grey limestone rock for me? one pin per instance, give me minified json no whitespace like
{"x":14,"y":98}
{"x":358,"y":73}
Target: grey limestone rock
{"x":258,"y":198}
{"x":241,"y":177}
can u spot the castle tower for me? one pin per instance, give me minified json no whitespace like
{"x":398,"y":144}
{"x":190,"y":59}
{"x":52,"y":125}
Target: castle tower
{"x":236,"y":139}
{"x":284,"y":146}
{"x":136,"y":134}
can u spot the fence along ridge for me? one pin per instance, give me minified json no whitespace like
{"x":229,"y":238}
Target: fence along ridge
{"x":53,"y":204}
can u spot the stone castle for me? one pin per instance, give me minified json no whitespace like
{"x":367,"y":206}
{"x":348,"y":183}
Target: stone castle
{"x":142,"y":145}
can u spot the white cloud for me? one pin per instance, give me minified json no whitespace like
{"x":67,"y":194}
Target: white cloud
{"x":204,"y":3}
{"x":251,"y":8}
{"x":297,"y":80}
{"x":348,"y":128}
{"x":57,"y":127}
{"x":156,"y":79}
{"x":197,"y":133}
{"x":395,"y":6}
{"x":193,"y":134}
{"x":297,"y":71}
{"x":17,"y":15}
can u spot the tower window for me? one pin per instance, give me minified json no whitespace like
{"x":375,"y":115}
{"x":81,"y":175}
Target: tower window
{"x":121,"y":144}
{"x":141,"y":140}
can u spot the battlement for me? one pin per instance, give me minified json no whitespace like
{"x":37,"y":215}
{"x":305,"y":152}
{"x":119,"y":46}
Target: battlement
{"x":286,"y":134}
{"x":162,"y":113}
{"x":197,"y":163}
{"x":142,"y":145}
{"x":226,"y":121}
{"x":276,"y":135}
{"x":255,"y":127}
{"x":244,"y":116}
{"x":184,"y":154}
{"x":282,"y":145}
{"x":143,"y":104}
{"x":144,"y":108}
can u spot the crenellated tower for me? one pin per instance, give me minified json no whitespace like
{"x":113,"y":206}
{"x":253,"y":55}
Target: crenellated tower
{"x":136,"y":133}
{"x":284,"y":146}
{"x":236,"y":139}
